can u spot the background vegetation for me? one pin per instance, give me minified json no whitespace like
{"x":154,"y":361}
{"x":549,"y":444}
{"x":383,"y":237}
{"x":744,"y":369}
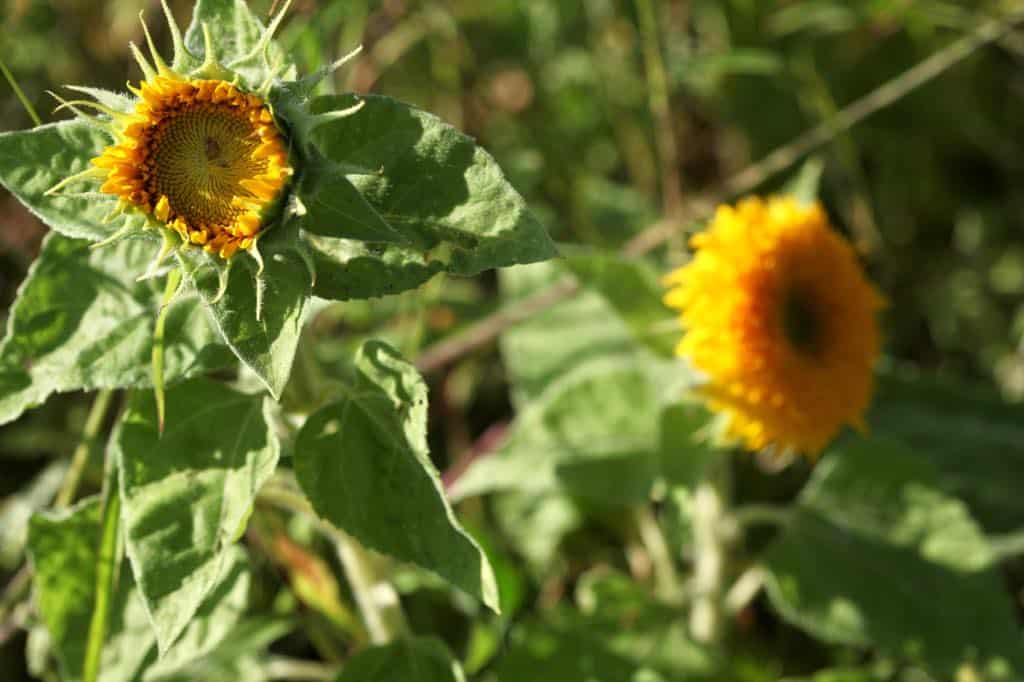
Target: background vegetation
{"x":615,"y":119}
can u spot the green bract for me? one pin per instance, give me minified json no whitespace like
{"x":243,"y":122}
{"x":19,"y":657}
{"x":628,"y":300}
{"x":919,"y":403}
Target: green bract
{"x":383,"y":196}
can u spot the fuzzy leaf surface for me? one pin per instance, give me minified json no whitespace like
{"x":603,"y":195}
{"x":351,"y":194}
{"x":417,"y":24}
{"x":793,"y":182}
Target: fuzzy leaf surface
{"x":82,"y":321}
{"x":64,"y":551}
{"x":447,"y":197}
{"x":266,"y":344}
{"x":363,"y":462}
{"x":188,"y":493}
{"x":335,"y":208}
{"x":33,"y":161}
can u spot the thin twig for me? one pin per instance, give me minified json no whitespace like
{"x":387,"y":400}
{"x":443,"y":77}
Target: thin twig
{"x":20,"y":95}
{"x":658,"y":101}
{"x":486,"y":330}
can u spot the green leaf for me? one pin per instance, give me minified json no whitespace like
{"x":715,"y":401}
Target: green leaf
{"x":348,"y":269}
{"x":235,"y":33}
{"x":335,"y":208}
{"x":63,"y":548}
{"x":33,"y":161}
{"x":871,"y":544}
{"x":632,"y":290}
{"x":618,"y":634}
{"x":187,"y":494}
{"x":265,"y":336}
{"x":567,"y":335}
{"x":364,"y":463}
{"x":593,"y":433}
{"x":417,"y":659}
{"x":974,"y":439}
{"x":83,"y":321}
{"x":439,"y":190}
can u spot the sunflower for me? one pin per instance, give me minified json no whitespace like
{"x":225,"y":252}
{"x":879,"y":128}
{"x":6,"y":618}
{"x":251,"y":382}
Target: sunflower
{"x":779,"y":316}
{"x":199,"y":152}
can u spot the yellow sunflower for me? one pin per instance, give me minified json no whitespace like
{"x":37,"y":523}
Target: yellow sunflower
{"x":198,"y":155}
{"x":779,"y":316}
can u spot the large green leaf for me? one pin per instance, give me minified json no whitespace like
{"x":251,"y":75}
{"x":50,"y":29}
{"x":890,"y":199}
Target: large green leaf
{"x":64,"y":551}
{"x":33,"y":161}
{"x":418,"y":659}
{"x":974,"y":439}
{"x":83,"y":321}
{"x":188,"y":493}
{"x":593,"y":433}
{"x":335,"y":208}
{"x":877,"y":555}
{"x":347,"y":269}
{"x":433,"y":185}
{"x":364,"y":463}
{"x":262,"y":333}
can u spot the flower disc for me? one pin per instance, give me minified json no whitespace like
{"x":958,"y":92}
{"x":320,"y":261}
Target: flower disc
{"x":780,"y":317}
{"x":200,"y":156}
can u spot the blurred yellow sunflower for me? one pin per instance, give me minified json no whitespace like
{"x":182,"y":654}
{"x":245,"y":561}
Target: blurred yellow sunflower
{"x":199,"y":155}
{"x":779,"y":316}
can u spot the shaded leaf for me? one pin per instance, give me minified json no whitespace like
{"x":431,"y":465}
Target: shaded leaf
{"x":872,"y":542}
{"x":434,"y":186}
{"x":364,"y":463}
{"x":348,"y":269}
{"x":335,"y":208}
{"x":973,"y":438}
{"x":188,"y":493}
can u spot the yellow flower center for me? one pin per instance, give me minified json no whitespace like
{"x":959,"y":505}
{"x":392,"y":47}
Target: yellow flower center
{"x":201,"y":157}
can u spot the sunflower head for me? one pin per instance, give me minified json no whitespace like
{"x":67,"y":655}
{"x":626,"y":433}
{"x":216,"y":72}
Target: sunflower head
{"x":199,"y":154}
{"x":781,"y":319}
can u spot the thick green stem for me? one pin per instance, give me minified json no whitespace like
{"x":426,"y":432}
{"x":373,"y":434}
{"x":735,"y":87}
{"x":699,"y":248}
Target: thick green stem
{"x":80,"y":458}
{"x":106,"y":577}
{"x":377,"y":598}
{"x":710,"y":505}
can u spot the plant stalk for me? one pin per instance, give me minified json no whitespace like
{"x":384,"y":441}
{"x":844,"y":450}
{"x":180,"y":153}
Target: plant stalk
{"x":80,"y":458}
{"x":376,"y":597}
{"x":710,"y":505}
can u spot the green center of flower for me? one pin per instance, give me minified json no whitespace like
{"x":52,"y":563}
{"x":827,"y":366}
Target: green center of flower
{"x":800,"y":321}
